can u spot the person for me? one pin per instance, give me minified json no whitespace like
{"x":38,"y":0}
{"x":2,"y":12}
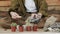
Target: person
{"x":29,"y":7}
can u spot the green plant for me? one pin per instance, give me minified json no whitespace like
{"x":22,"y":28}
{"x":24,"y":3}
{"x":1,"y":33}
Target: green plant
{"x":20,"y":24}
{"x":28,"y":22}
{"x":13,"y":24}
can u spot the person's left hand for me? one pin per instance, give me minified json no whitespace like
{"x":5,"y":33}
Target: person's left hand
{"x":39,"y":15}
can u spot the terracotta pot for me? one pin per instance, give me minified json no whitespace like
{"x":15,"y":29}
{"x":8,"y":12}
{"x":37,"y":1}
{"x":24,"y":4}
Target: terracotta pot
{"x":21,"y":29}
{"x":13,"y":28}
{"x":28,"y":28}
{"x":35,"y":28}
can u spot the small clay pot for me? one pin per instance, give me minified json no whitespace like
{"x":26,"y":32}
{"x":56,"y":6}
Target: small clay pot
{"x":35,"y":28}
{"x":13,"y":28}
{"x":28,"y":28}
{"x":21,"y":29}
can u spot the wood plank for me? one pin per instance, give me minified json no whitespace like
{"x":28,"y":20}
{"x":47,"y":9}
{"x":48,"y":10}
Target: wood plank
{"x":4,"y":8}
{"x":5,"y":3}
{"x":53,"y":2}
{"x":4,"y":0}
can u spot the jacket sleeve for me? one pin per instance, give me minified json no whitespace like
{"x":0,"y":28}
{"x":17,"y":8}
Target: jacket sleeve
{"x":43,"y":8}
{"x":14,"y":4}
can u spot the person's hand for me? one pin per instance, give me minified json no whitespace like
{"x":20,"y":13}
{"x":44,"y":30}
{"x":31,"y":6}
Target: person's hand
{"x":15,"y":15}
{"x":19,"y":16}
{"x":33,"y":15}
{"x":39,"y":15}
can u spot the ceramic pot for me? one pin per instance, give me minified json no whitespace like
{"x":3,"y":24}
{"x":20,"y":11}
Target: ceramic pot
{"x":28,"y":28}
{"x":35,"y":28}
{"x":13,"y":28}
{"x":21,"y":29}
